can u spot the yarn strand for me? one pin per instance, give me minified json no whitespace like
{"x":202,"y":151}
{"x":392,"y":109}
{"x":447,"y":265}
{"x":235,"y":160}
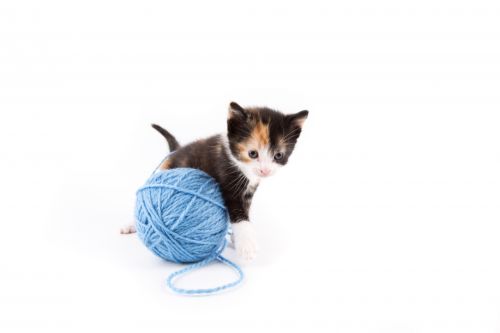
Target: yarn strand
{"x":207,"y":291}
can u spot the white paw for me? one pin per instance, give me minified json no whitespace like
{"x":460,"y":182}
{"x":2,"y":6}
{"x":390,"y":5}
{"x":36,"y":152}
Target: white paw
{"x":130,"y":229}
{"x":245,"y":240}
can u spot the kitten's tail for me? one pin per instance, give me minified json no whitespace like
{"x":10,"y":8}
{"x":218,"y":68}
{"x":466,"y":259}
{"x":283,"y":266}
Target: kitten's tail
{"x":172,"y":142}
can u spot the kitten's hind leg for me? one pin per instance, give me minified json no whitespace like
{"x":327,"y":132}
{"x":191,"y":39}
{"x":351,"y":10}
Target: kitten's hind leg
{"x":129,"y":229}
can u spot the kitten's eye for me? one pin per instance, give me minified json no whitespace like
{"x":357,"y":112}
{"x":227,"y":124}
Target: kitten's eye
{"x":253,"y":154}
{"x":278,"y":156}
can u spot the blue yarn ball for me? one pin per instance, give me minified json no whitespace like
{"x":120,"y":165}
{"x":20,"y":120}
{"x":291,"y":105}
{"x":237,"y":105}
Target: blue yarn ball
{"x":181,"y":216}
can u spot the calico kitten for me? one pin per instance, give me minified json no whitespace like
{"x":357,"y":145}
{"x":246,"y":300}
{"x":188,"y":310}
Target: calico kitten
{"x":258,"y":142}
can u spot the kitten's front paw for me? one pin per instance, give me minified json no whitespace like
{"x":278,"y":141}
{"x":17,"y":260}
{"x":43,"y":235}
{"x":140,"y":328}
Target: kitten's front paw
{"x":245,"y":240}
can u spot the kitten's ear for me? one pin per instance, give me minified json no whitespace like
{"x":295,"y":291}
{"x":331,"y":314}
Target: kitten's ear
{"x":235,"y":110}
{"x":298,"y":119}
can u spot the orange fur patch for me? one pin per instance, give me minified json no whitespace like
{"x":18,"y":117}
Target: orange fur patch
{"x":259,"y":139}
{"x":243,"y":151}
{"x":165,"y":165}
{"x":261,"y":134}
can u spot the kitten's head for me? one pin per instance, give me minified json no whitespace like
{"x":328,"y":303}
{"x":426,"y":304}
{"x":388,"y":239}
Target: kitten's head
{"x":260,"y":139}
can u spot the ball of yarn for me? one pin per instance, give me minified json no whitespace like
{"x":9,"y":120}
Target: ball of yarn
{"x":181,"y":217}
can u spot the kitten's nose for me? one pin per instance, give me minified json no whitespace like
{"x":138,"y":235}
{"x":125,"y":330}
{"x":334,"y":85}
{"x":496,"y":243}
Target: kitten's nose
{"x":264,"y":171}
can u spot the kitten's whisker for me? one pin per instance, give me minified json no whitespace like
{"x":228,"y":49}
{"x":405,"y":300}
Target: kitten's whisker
{"x":289,"y":134}
{"x":241,"y":185}
{"x":231,"y":173}
{"x":235,"y":181}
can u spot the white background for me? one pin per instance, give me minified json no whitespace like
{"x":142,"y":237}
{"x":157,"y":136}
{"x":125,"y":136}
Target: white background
{"x":385,"y":220}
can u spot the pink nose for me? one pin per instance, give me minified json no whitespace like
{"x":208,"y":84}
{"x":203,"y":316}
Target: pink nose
{"x":264,"y":172}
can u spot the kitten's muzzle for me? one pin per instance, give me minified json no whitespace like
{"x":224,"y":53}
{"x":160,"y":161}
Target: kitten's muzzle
{"x":264,"y":172}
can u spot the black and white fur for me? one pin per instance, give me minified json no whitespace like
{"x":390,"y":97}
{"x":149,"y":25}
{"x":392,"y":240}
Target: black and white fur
{"x":258,"y":142}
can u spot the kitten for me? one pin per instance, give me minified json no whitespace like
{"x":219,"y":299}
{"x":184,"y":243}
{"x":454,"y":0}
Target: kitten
{"x":258,"y":142}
